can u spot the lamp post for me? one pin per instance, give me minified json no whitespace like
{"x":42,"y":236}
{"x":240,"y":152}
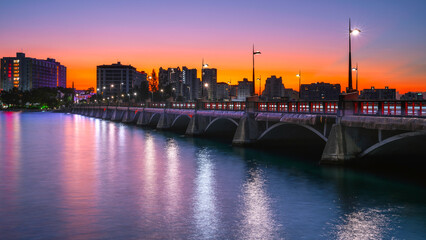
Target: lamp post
{"x":229,"y":89}
{"x":206,"y":85}
{"x":254,"y":53}
{"x":356,"y":69}
{"x":190,"y":93}
{"x":300,"y":80}
{"x":161,"y":90}
{"x":260,"y":84}
{"x":203,"y":65}
{"x":355,"y":32}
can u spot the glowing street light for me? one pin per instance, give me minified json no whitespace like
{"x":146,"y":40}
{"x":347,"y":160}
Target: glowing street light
{"x":355,"y":69}
{"x":203,"y":65}
{"x":354,"y":32}
{"x":299,"y":75}
{"x":254,"y":53}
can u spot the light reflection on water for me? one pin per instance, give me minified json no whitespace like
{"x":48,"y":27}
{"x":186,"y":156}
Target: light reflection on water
{"x":205,"y":210}
{"x":258,"y":220}
{"x":363,"y":224}
{"x":73,"y":177}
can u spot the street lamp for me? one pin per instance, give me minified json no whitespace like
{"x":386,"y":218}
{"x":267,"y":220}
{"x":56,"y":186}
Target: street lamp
{"x":260,"y":84}
{"x":203,"y":65}
{"x":354,"y":32}
{"x":300,"y":80}
{"x":206,"y":85}
{"x":356,"y":69}
{"x":254,"y":53}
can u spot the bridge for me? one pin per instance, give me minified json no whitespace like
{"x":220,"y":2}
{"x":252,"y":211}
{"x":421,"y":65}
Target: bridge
{"x":344,"y":131}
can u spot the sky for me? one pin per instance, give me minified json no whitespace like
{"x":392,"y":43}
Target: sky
{"x":306,"y":35}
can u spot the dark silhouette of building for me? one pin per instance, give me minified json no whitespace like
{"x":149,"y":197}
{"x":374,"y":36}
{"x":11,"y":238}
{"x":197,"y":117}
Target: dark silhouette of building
{"x":378,"y":94}
{"x":190,"y":84}
{"x":412,"y":96}
{"x":222,"y":91}
{"x":245,"y":89}
{"x":27,"y":73}
{"x":210,"y":78}
{"x":319,"y":91}
{"x":117,"y":79}
{"x":274,"y":88}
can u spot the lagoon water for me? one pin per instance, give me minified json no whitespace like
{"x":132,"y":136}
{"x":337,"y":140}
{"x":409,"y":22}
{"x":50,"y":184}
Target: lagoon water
{"x":66,"y":176}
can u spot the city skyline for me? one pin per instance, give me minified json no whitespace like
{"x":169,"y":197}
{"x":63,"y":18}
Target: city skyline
{"x":313,"y":39}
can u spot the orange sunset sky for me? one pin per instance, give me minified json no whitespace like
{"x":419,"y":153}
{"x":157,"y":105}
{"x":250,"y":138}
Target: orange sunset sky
{"x":312,"y":37}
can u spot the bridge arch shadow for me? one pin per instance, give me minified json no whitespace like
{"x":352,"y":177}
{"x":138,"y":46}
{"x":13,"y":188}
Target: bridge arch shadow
{"x":221,"y":127}
{"x":153,"y":120}
{"x":292,"y":137}
{"x":402,"y":149}
{"x":180,"y":123}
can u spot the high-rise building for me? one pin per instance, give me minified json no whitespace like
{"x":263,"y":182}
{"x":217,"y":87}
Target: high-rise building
{"x":319,"y":91}
{"x":27,"y":73}
{"x":171,"y":80}
{"x":222,"y":91}
{"x":190,"y":83}
{"x":274,"y":88}
{"x":116,"y":79}
{"x":245,"y":89}
{"x":378,"y":94}
{"x":210,"y":78}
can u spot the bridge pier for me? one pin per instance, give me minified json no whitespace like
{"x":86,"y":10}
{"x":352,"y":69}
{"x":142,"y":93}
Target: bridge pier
{"x":247,"y":131}
{"x":165,"y":121}
{"x":107,"y":114}
{"x":197,"y":125}
{"x":130,"y":116}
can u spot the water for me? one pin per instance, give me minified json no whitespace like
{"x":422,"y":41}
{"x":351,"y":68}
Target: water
{"x":67,"y":176}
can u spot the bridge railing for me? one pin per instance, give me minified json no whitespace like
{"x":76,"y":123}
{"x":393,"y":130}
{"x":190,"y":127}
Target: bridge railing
{"x":225,"y":106}
{"x":358,"y":107}
{"x":321,"y":107}
{"x":390,"y":108}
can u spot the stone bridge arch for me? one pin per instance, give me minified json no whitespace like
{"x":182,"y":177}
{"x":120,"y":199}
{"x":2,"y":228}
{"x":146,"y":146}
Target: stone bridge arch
{"x":153,"y":120}
{"x":407,"y":147}
{"x":293,"y":136}
{"x":223,"y":127}
{"x":180,"y":122}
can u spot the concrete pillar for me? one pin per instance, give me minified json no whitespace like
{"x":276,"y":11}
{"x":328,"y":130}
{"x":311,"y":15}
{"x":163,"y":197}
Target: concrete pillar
{"x":144,"y":118}
{"x":197,"y":125}
{"x":165,"y":121}
{"x":128,"y":116}
{"x":344,"y":144}
{"x":99,"y":112}
{"x":117,"y":115}
{"x":247,"y":131}
{"x":107,"y":114}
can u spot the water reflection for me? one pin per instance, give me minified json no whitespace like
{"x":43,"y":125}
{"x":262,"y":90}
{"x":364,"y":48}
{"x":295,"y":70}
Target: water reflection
{"x":363,"y":224}
{"x":172,"y":179}
{"x":205,"y":210}
{"x":72,"y":177}
{"x":79,"y":181}
{"x":258,"y":221}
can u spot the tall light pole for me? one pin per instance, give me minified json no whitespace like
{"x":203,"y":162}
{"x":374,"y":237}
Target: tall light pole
{"x":356,"y":69}
{"x":254,"y":53}
{"x":229,"y":89}
{"x":300,"y":80}
{"x":355,"y":32}
{"x":203,"y":65}
{"x":260,"y":84}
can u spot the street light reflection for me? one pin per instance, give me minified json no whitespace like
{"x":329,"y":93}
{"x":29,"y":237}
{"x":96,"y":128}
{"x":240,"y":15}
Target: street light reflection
{"x":206,"y":214}
{"x":258,"y":222}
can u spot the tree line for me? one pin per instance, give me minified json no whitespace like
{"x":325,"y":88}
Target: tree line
{"x":38,"y":98}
